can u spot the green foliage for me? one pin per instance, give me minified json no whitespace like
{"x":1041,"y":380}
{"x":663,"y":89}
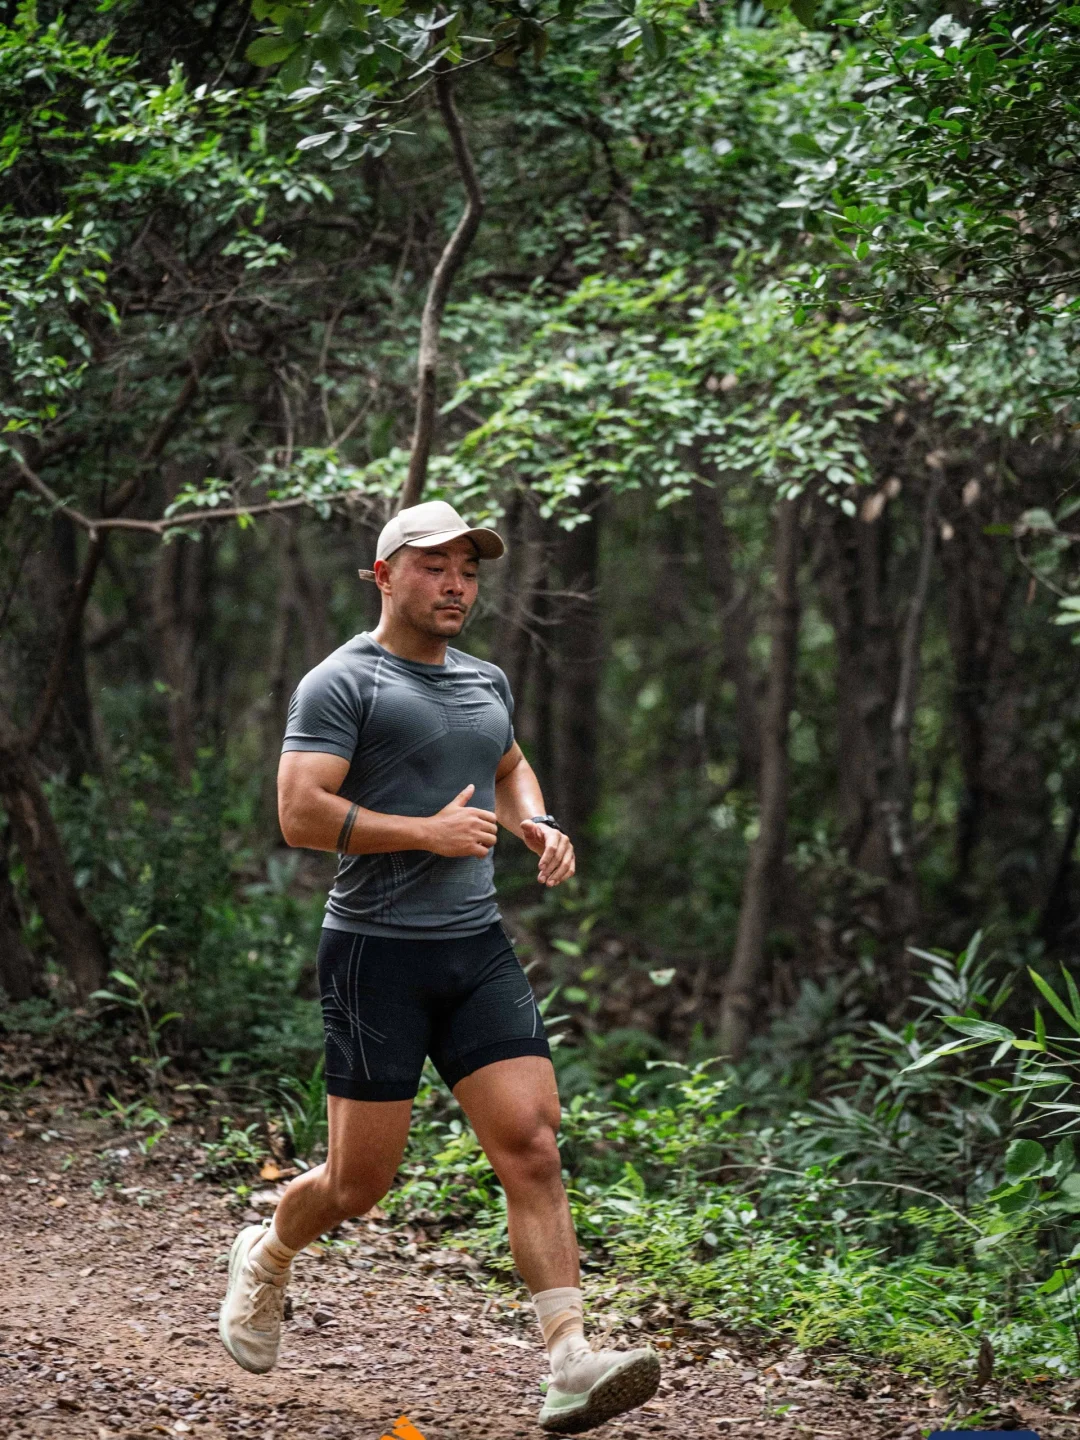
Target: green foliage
{"x":652,"y":381}
{"x":236,"y":1150}
{"x":138,"y":1115}
{"x":944,"y":171}
{"x":163,"y":870}
{"x":364,"y":63}
{"x":109,"y":149}
{"x":303,"y":1113}
{"x":135,"y":998}
{"x":661,"y":1203}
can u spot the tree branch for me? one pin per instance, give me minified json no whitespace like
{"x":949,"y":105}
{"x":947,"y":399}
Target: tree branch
{"x":151,"y":527}
{"x":448,"y":266}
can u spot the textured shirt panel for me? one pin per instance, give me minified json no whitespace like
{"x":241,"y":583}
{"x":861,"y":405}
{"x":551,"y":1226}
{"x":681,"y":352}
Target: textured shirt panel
{"x":414,"y":735}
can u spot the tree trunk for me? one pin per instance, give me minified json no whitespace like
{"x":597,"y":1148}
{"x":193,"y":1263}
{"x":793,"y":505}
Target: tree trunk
{"x":1058,"y":919}
{"x":80,"y":944}
{"x":579,"y":641}
{"x":878,"y":666}
{"x":540,"y":722}
{"x":62,"y":709}
{"x":21,"y":975}
{"x":853,"y":565}
{"x":301,"y":613}
{"x":511,"y":644}
{"x":763,"y":871}
{"x":1002,"y":821}
{"x":286,"y":622}
{"x":183,"y":571}
{"x":732,"y":603}
{"x":897,"y":800}
{"x":431,"y":320}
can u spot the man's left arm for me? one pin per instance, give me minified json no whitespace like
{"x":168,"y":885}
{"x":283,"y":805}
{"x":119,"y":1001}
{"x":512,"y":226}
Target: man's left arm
{"x":517,"y":798}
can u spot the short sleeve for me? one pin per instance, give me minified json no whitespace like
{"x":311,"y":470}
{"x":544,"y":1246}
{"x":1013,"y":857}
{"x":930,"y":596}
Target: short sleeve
{"x":325,"y":714}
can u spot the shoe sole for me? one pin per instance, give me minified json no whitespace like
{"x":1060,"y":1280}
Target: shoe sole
{"x":235,"y":1261}
{"x":620,"y":1390}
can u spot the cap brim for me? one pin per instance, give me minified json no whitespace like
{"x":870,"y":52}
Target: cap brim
{"x":489,"y":543}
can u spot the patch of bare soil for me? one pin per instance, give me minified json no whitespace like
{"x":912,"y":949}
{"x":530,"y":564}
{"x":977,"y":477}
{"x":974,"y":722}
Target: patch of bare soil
{"x":114,"y":1267}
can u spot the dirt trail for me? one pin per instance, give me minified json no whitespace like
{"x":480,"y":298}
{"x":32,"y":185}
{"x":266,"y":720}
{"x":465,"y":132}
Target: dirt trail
{"x":109,"y":1307}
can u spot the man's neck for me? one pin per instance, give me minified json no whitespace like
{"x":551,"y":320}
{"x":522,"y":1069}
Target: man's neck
{"x":408,"y":643}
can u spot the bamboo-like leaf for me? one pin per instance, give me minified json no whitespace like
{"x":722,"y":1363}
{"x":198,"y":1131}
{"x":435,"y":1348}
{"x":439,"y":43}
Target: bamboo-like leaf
{"x":954,"y":1047}
{"x":979,"y":1029}
{"x":1051,"y":997}
{"x":1074,"y":994}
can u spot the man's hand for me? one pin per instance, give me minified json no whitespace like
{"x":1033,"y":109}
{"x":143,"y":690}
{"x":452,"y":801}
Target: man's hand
{"x":555,"y":851}
{"x":459,"y":830}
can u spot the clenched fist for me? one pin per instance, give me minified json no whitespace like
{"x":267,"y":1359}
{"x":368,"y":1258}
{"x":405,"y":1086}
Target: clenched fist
{"x":459,"y":830}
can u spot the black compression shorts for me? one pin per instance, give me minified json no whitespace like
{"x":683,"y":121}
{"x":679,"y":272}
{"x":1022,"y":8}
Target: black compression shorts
{"x":389,"y":1003}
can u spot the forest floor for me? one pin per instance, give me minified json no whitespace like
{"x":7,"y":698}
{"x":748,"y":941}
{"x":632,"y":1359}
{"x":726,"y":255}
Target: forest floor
{"x":114,"y":1267}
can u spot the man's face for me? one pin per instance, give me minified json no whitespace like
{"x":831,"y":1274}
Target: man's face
{"x":433,"y":590}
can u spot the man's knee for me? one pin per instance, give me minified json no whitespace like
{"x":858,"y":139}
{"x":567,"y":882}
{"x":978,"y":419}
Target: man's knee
{"x":353,"y":1195}
{"x":529,"y":1156}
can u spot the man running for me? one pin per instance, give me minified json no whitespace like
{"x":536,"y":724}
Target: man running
{"x":400,"y":755}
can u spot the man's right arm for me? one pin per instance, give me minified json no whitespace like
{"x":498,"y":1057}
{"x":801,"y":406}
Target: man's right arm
{"x":313,"y":815}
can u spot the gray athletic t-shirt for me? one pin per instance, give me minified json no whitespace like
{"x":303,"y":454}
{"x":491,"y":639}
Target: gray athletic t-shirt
{"x":414,"y":736}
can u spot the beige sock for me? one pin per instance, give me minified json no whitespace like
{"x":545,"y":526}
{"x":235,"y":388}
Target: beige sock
{"x":562,"y":1319}
{"x":272,"y":1253}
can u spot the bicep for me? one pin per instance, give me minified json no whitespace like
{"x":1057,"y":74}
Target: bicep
{"x":303,"y":773}
{"x":510,"y":761}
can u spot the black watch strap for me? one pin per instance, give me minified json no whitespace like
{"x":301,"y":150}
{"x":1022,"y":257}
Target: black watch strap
{"x":548,"y":820}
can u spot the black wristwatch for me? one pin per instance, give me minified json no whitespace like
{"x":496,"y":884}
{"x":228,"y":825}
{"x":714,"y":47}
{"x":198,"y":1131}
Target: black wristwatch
{"x":548,"y":820}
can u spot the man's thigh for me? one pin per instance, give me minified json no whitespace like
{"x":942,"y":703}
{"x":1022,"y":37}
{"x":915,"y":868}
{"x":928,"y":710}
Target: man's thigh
{"x":510,"y":1101}
{"x":366,"y":1137}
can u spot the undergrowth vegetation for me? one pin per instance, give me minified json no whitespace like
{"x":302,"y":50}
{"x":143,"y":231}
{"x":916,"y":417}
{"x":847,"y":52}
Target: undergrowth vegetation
{"x":902,"y":1215}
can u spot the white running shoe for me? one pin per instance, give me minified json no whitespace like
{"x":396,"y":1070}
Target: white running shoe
{"x":593,"y":1386}
{"x":251,"y":1313}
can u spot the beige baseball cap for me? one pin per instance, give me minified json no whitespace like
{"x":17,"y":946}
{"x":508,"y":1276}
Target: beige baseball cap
{"x":432,"y":523}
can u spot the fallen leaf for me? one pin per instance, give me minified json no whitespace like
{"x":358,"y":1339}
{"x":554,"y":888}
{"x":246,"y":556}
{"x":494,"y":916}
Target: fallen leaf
{"x":58,"y":1203}
{"x":270,"y":1171}
{"x":86,"y":1273}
